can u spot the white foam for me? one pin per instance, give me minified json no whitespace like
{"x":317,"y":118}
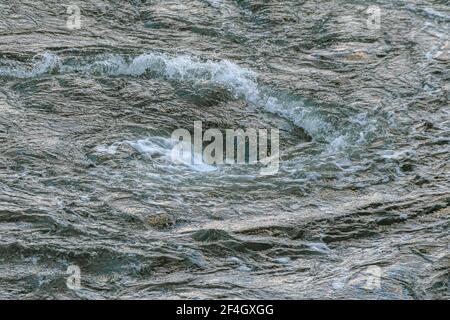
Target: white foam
{"x":41,"y":64}
{"x":320,"y":247}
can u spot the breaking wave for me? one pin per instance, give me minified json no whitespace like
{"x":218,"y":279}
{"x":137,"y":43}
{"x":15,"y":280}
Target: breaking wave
{"x":241,"y":82}
{"x":160,"y":148}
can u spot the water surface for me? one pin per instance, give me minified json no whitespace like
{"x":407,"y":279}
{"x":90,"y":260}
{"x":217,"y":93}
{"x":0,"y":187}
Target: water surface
{"x":86,"y":117}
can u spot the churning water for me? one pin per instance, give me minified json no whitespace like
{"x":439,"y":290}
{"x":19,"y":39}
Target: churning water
{"x":359,"y":208}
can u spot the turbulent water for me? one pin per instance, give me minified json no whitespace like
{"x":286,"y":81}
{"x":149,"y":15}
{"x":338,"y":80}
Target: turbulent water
{"x":360,"y":206}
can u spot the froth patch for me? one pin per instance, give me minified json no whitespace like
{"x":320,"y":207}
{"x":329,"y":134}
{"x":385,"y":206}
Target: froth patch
{"x":41,"y":64}
{"x":240,"y":81}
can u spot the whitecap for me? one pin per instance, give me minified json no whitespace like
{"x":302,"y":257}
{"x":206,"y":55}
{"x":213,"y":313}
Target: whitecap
{"x":160,"y":148}
{"x":240,"y":81}
{"x":41,"y":64}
